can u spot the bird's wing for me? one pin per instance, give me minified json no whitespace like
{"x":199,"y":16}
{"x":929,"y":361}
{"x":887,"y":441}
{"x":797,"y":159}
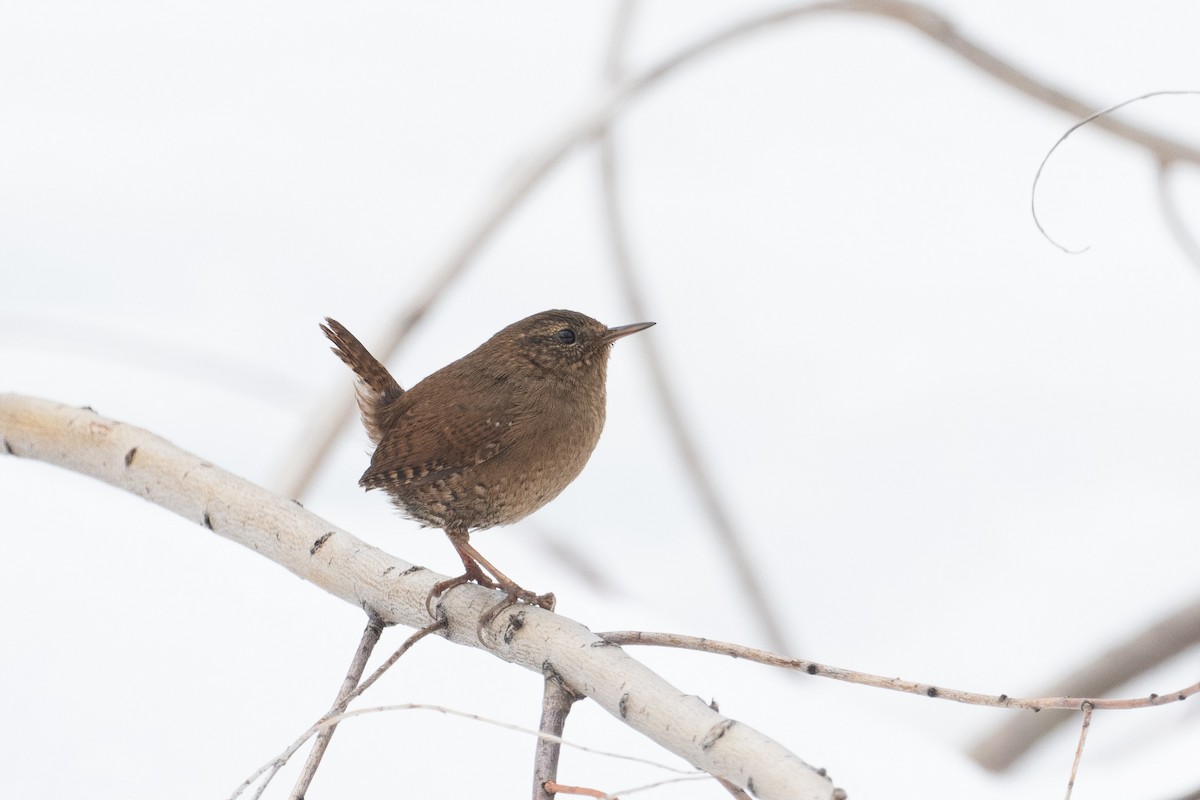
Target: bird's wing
{"x":444,"y":424}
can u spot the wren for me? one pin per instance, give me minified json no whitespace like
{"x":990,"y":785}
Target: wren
{"x":490,"y":438}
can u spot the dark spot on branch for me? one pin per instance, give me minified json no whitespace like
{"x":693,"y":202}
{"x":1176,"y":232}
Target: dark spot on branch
{"x":515,"y":623}
{"x":1003,"y":698}
{"x":550,"y":673}
{"x":822,"y":772}
{"x":1183,"y":697}
{"x":411,"y":570}
{"x":750,"y":785}
{"x":376,"y":620}
{"x":715,"y":733}
{"x":87,"y":408}
{"x":1153,"y":696}
{"x":319,"y":543}
{"x":812,"y":669}
{"x":623,"y":705}
{"x":129,"y":456}
{"x":297,"y":502}
{"x":207,"y":521}
{"x":932,"y":691}
{"x":388,"y":570}
{"x":8,"y":448}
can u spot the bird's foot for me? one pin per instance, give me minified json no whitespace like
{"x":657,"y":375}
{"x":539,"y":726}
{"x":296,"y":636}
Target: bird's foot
{"x":475,"y":575}
{"x":514,"y":594}
{"x":517,"y":594}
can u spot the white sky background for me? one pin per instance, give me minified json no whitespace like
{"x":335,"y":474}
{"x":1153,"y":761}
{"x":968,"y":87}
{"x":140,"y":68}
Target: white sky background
{"x":960,"y":455}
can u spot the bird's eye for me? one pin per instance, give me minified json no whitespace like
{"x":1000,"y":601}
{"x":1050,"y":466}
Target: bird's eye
{"x":565,"y":336}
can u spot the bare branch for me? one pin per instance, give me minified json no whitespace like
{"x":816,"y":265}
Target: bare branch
{"x":416,"y":636}
{"x":1083,"y":732}
{"x":362,"y":653}
{"x":552,"y":788}
{"x":394,"y":591}
{"x":556,"y":704}
{"x":327,"y":723}
{"x":1170,"y":211}
{"x":1061,"y":702}
{"x":694,"y":465}
{"x":1189,"y":796}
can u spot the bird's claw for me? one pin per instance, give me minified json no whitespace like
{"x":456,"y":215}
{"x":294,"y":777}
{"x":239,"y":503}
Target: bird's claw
{"x":513,"y":594}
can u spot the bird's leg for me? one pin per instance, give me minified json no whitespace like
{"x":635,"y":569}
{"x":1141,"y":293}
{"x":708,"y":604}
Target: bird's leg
{"x":506,"y":584}
{"x":480,"y":570}
{"x":471,"y":569}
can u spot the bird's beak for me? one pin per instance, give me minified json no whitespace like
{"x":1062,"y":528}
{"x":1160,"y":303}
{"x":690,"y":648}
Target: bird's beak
{"x":612,"y":334}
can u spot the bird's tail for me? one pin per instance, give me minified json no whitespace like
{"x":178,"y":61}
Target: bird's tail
{"x":376,"y":388}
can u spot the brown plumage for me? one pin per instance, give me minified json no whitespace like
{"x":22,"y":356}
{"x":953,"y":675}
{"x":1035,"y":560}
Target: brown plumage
{"x":492,"y":437}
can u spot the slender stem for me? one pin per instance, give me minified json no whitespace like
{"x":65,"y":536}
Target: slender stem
{"x":1062,"y":702}
{"x":358,"y":664}
{"x":1169,"y":207}
{"x":694,"y":464}
{"x":556,"y":705}
{"x":1083,"y":732}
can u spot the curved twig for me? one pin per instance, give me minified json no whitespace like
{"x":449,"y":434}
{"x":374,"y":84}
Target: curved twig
{"x":1101,"y":114}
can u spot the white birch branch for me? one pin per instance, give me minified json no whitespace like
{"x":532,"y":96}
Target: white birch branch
{"x":394,"y":590}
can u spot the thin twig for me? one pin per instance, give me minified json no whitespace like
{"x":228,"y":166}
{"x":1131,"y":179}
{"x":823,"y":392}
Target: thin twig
{"x":1103,"y":113}
{"x":1170,"y":212}
{"x":552,"y":788}
{"x":320,"y":434}
{"x":272,"y":767}
{"x":510,"y":727}
{"x":557,"y":700}
{"x":358,"y":664}
{"x":416,"y":636}
{"x":694,"y":464}
{"x":1083,"y":732}
{"x":880,"y":682}
{"x":837,"y":794}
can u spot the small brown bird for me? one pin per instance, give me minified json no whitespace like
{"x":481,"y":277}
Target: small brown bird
{"x":490,"y":438}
